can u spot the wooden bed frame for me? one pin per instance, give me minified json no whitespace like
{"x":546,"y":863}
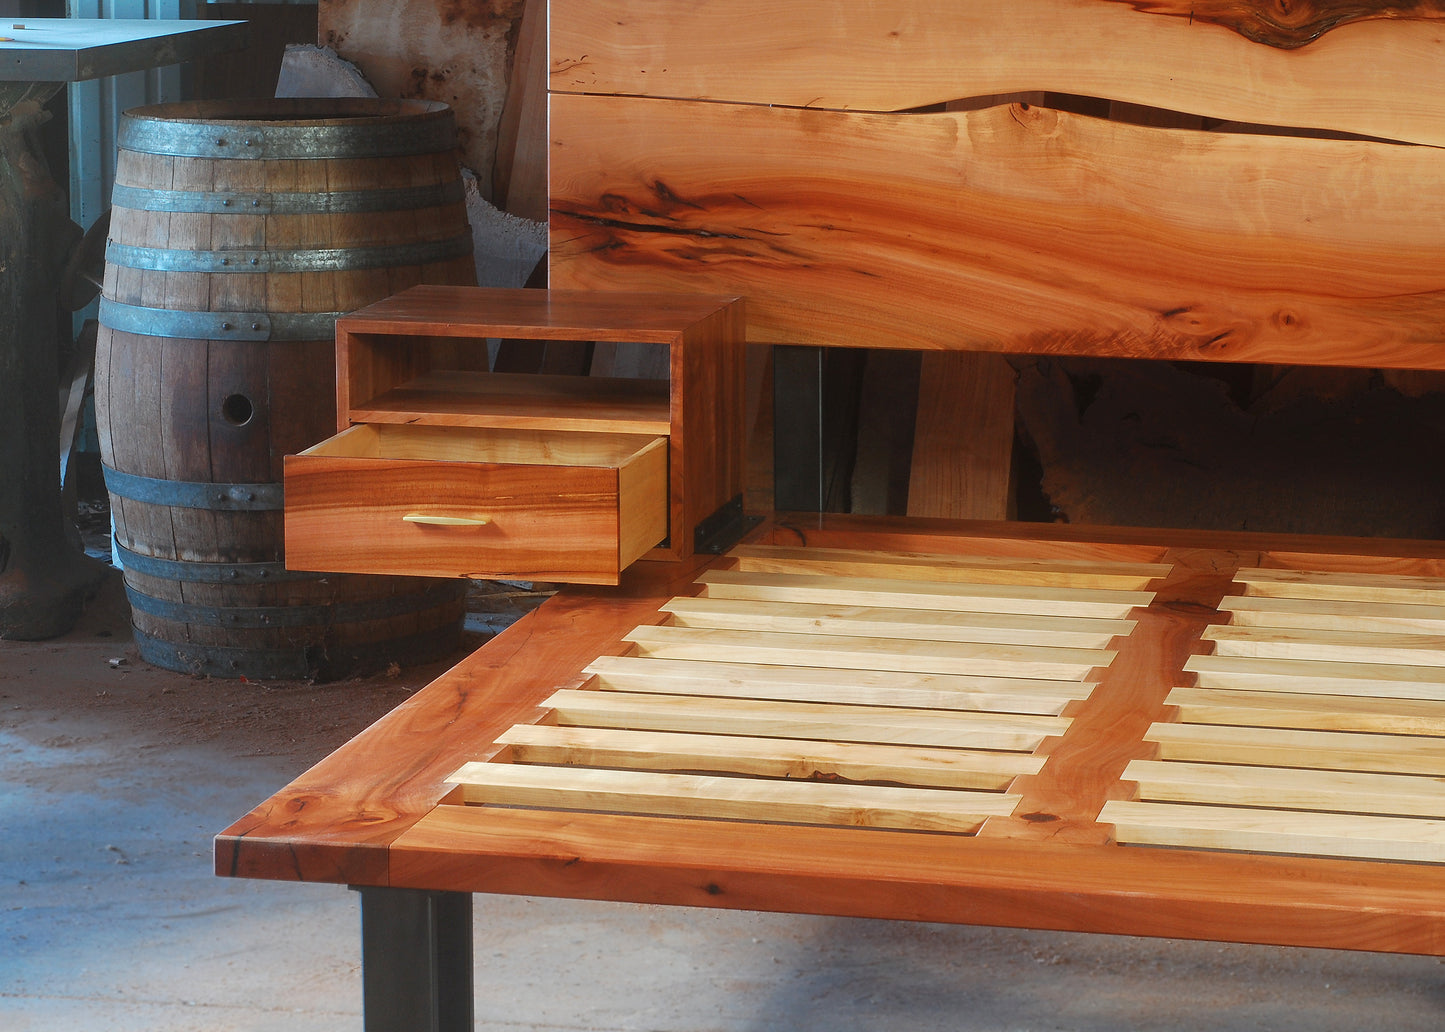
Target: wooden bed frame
{"x":884,"y":741}
{"x":1241,"y":745}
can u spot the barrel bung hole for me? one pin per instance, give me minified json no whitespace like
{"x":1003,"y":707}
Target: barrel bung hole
{"x":237,"y":409}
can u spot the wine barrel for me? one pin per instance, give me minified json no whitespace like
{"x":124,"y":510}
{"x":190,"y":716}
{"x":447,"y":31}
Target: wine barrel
{"x":240,"y":230}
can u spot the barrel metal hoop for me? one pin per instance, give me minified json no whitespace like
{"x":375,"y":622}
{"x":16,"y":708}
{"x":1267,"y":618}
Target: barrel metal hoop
{"x":337,"y":202}
{"x":189,"y":494}
{"x":292,"y":616}
{"x":204,"y":572}
{"x":317,"y":259}
{"x":299,"y":662}
{"x":256,"y":140}
{"x":257,"y":326}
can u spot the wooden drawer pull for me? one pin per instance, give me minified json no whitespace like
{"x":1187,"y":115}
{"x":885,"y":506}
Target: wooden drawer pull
{"x":447,"y":521}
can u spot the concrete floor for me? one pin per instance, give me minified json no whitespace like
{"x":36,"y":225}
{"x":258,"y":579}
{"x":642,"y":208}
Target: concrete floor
{"x":114,"y":776}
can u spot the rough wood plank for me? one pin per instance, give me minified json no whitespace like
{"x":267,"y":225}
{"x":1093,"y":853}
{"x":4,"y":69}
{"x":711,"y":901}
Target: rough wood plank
{"x":963,"y":437}
{"x":1321,"y":713}
{"x":1287,"y":789}
{"x":922,"y":624}
{"x":1283,"y":747}
{"x":1205,"y":58}
{"x":686,"y":795}
{"x":1277,"y":831}
{"x":823,"y":721}
{"x":764,"y":757}
{"x":902,"y":594}
{"x":1375,"y":680}
{"x":1334,"y":646}
{"x":519,"y":176}
{"x":1066,"y":235}
{"x":969,"y":569}
{"x":853,"y":687}
{"x":850,"y":652}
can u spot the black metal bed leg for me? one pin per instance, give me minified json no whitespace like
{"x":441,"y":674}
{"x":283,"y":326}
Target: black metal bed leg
{"x":416,"y":960}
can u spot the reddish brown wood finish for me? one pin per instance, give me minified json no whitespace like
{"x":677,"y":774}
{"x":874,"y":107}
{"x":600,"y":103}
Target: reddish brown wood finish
{"x":385,"y":347}
{"x":370,"y":814}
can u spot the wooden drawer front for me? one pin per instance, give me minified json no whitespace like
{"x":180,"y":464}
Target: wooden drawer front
{"x":466,"y":502}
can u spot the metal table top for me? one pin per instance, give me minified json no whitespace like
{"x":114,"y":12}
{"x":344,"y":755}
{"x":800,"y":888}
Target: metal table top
{"x":75,"y":49}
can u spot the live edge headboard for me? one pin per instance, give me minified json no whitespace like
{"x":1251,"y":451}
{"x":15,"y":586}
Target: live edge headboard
{"x":777,"y":150}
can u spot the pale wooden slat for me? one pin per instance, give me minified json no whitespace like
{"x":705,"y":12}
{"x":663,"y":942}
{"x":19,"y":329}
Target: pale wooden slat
{"x":802,"y":720}
{"x":860,"y":653}
{"x":765,"y":757}
{"x":1345,"y":587}
{"x":1285,"y":747}
{"x":910,"y":53}
{"x":1328,"y":614}
{"x":1276,"y":831}
{"x":968,"y":569}
{"x":688,"y":795}
{"x":1375,"y":680}
{"x":854,"y":687}
{"x":1320,"y":713}
{"x":1283,"y":788}
{"x":903,"y":594}
{"x":923,"y":624}
{"x":1331,"y":646}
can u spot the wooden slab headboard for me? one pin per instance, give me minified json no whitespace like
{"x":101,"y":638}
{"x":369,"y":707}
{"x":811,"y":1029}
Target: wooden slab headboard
{"x":778,"y":151}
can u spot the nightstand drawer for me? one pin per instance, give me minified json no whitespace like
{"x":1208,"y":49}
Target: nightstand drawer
{"x":453,"y":501}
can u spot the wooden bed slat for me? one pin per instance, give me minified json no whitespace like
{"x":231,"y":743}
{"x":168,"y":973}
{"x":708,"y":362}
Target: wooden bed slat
{"x":766,"y":757}
{"x":1276,"y":831}
{"x":1344,"y":587}
{"x":854,"y":687}
{"x":1288,"y":789}
{"x":1377,"y":680}
{"x":849,"y":652}
{"x":1329,"y":614}
{"x":803,"y":720}
{"x":1283,"y":747}
{"x":687,"y":795}
{"x":924,"y":624}
{"x":969,"y":569}
{"x":1321,"y":713}
{"x":902,"y":594}
{"x":1333,"y":646}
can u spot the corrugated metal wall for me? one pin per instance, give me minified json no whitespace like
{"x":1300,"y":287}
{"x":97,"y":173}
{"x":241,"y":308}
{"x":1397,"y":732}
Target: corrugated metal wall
{"x":95,"y":107}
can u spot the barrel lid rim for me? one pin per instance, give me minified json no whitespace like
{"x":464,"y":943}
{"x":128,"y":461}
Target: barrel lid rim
{"x":289,"y":111}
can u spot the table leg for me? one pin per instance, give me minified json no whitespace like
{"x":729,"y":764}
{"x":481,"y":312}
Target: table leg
{"x":45,"y":576}
{"x":416,"y":960}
